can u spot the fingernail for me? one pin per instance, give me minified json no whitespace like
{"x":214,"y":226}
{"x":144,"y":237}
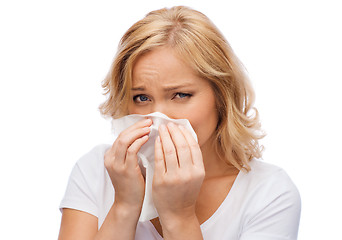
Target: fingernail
{"x":147,"y":129}
{"x":148,"y":120}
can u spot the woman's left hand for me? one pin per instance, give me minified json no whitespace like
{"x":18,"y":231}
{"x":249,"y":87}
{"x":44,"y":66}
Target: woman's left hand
{"x":179,"y":173}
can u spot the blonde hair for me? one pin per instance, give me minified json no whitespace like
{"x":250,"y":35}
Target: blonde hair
{"x":196,"y":39}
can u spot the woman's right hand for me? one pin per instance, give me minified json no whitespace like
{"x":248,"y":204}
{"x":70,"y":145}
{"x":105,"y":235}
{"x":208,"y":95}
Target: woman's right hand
{"x":121,"y":162}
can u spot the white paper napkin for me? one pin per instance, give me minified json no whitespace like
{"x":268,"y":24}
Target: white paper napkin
{"x":146,"y":153}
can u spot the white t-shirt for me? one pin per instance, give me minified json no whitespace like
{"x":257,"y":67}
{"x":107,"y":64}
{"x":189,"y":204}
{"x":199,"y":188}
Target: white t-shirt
{"x":262,"y":204}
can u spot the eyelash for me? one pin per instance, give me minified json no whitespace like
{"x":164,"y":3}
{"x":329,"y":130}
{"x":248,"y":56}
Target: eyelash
{"x":186,"y":95}
{"x":137,"y":96}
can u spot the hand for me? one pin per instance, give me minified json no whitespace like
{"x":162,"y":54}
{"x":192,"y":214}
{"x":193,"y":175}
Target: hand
{"x":121,"y":162}
{"x":179,"y":173}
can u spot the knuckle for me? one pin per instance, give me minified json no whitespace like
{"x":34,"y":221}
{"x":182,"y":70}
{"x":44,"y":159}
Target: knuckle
{"x":108,"y":153}
{"x":159,"y":162}
{"x":173,"y":179}
{"x":113,"y":167}
{"x":187,"y":177}
{"x":131,"y":151}
{"x":119,"y":170}
{"x":183,"y":148}
{"x":157,"y":183}
{"x":199,"y":174}
{"x":122,"y":141}
{"x":106,"y":157}
{"x":168,"y":182}
{"x":122,"y":134}
{"x":108,"y":160}
{"x":193,"y":145}
{"x":169,"y":151}
{"x":107,"y":164}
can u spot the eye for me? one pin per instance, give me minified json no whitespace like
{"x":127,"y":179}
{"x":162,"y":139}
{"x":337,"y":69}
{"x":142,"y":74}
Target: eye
{"x":182,"y":95}
{"x":140,"y":98}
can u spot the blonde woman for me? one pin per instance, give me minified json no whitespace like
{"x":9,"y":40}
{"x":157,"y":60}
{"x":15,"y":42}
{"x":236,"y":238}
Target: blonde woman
{"x":175,"y":61}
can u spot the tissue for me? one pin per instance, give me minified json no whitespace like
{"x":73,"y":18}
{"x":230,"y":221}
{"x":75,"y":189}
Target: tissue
{"x":146,"y":153}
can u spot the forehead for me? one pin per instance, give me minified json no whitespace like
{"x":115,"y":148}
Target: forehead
{"x":162,"y":65}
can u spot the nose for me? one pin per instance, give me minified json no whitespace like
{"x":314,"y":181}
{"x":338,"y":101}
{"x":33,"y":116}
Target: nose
{"x":162,"y":108}
{"x":159,"y":107}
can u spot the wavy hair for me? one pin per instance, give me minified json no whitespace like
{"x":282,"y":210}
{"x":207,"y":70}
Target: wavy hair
{"x":197,"y":40}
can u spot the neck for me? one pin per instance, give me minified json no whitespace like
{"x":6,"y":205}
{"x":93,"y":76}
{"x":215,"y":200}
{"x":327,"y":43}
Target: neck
{"x":215,"y":166}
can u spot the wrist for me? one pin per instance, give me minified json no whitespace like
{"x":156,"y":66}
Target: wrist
{"x":182,"y":228}
{"x":120,"y":223}
{"x":125,"y":211}
{"x":174,"y":222}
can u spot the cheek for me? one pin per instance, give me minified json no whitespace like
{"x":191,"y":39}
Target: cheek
{"x":204,"y":123}
{"x":133,"y":109}
{"x":204,"y":130}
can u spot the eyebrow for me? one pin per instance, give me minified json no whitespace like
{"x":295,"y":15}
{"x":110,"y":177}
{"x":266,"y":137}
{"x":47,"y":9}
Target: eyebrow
{"x":166,"y":89}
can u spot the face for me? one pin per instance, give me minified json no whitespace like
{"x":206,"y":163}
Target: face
{"x":162,"y":82}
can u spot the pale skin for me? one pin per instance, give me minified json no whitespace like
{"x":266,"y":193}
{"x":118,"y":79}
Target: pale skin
{"x":190,"y":180}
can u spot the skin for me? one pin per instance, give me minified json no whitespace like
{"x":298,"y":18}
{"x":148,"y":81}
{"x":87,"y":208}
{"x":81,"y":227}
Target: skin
{"x":190,"y":180}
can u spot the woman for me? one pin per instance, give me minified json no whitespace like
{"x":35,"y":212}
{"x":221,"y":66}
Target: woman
{"x":176,"y":62}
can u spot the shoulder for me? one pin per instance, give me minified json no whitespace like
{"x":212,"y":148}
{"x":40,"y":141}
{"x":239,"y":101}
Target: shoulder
{"x":271,"y":201}
{"x":90,"y":167}
{"x":269,"y":187}
{"x":84,"y":189}
{"x":263,"y":173}
{"x":94,"y":158}
{"x":262,"y":169}
{"x":265,"y":185}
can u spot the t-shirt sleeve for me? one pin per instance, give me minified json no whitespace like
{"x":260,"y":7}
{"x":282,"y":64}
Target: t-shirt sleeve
{"x":81,"y":192}
{"x":275,"y":212}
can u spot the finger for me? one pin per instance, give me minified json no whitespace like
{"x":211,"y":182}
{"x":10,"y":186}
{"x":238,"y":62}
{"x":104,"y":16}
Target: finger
{"x":169,"y":150}
{"x":159,"y":163}
{"x":140,"y":124}
{"x":182,"y":146}
{"x":124,"y":141}
{"x":131,"y":154}
{"x":194,"y":147}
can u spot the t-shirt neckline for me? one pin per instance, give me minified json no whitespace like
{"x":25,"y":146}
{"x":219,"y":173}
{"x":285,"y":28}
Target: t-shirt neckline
{"x":224,"y":203}
{"x":212,"y":218}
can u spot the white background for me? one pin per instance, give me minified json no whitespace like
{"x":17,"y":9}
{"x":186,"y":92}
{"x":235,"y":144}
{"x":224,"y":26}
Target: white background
{"x":54,"y":55}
